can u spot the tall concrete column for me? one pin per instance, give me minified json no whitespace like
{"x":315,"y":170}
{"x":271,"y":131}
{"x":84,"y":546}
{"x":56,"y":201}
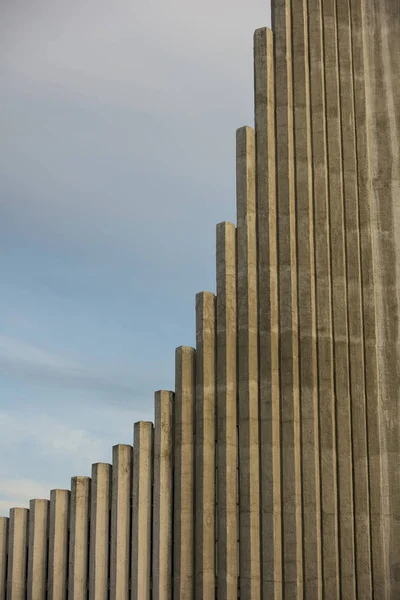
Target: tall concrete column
{"x":100,"y":517}
{"x":58,"y":544}
{"x":268,"y":315}
{"x":376,"y":451}
{"x":205,"y":446}
{"x":120,"y":522}
{"x":339,"y":303}
{"x":162,"y":496}
{"x":185,"y":392}
{"x":4,"y":523}
{"x":247,"y":324}
{"x":17,"y":554}
{"x":227,"y":448}
{"x":79,"y":538}
{"x":288,"y":304}
{"x":38,"y":549}
{"x":327,"y":418}
{"x":142,"y":504}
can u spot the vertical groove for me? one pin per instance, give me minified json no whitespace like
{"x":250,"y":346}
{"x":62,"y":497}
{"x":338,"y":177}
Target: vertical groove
{"x":142,"y":502}
{"x":185,"y":388}
{"x":99,"y":531}
{"x":162,"y":496}
{"x":268,"y":323}
{"x":249,"y":500}
{"x":226,"y":413}
{"x":205,"y":446}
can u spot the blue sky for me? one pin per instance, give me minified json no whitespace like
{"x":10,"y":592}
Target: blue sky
{"x":117,"y":160}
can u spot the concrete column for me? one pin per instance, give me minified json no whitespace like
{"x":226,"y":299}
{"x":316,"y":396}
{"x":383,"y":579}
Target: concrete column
{"x":355,"y":304}
{"x":227,"y":488}
{"x":185,"y":390}
{"x":339,"y":303}
{"x":205,"y":447}
{"x":38,"y":549}
{"x":327,"y":420}
{"x":288,"y":305}
{"x":79,"y":539}
{"x":142,"y":503}
{"x":17,"y":554}
{"x":303,"y":175}
{"x":120,"y":522}
{"x":247,"y":323}
{"x":162,"y":496}
{"x":100,"y":517}
{"x":58,"y":544}
{"x":268,"y":320}
{"x":4,"y":521}
{"x":379,"y":560}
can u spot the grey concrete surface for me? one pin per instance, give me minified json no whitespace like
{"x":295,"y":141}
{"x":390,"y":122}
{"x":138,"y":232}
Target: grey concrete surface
{"x":100,"y":513}
{"x":39,"y":511}
{"x":58,"y":544}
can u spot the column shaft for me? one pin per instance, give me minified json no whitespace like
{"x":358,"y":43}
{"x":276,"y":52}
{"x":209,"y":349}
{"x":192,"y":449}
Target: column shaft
{"x":247,"y":319}
{"x":120,"y":521}
{"x":100,"y":517}
{"x":340,"y":304}
{"x":58,"y":544}
{"x":205,"y":447}
{"x":288,"y":309}
{"x":162,"y":496}
{"x":227,"y":488}
{"x":4,"y":524}
{"x":185,"y":391}
{"x":38,"y":549}
{"x":142,"y":510}
{"x":79,"y":538}
{"x":268,"y":321}
{"x":17,"y":554}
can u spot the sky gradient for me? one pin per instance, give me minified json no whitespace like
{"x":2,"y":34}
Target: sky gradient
{"x":117,"y":161}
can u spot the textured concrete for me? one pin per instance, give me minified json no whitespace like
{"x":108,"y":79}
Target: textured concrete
{"x":120,"y":521}
{"x":39,"y":511}
{"x":183,"y":536}
{"x":100,"y":513}
{"x":142,"y":503}
{"x":227,"y":446}
{"x":17,"y":554}
{"x":325,"y":357}
{"x":288,"y":305}
{"x":268,"y":321}
{"x":4,"y":521}
{"x":79,"y":538}
{"x":249,"y":470}
{"x":162,"y":496}
{"x":58,"y":544}
{"x":205,"y":446}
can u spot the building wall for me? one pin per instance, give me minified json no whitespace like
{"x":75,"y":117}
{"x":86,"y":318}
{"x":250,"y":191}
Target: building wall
{"x":272,"y":470}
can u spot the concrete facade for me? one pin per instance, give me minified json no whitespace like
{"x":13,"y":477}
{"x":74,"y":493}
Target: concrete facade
{"x":272,"y":471}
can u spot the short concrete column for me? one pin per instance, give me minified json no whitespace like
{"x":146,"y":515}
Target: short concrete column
{"x":162,"y":499}
{"x":17,"y":554}
{"x":4,"y":521}
{"x":205,"y":446}
{"x":185,"y":382}
{"x":79,"y":538}
{"x":58,"y":544}
{"x":142,"y":505}
{"x":121,"y":521}
{"x":38,"y":549}
{"x":100,"y":517}
{"x":227,"y":447}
